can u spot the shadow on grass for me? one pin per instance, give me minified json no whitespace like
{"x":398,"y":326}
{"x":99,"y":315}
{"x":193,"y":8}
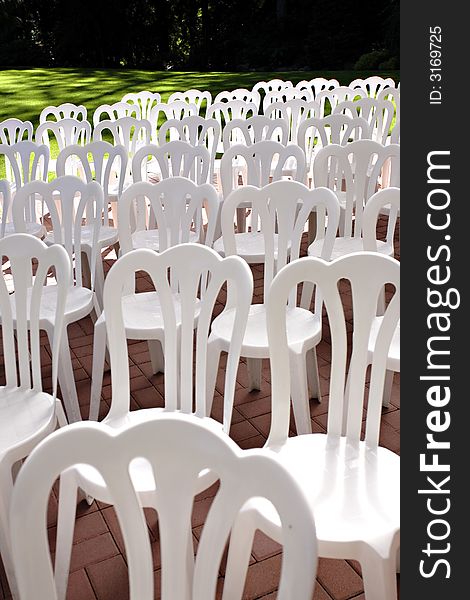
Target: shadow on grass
{"x":25,"y":92}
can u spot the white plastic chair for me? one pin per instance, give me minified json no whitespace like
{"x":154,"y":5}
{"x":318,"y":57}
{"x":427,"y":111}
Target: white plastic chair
{"x":354,"y":173}
{"x":126,"y":131}
{"x":144,"y":100}
{"x":294,"y":112}
{"x":175,"y":206}
{"x":173,"y":159}
{"x":181,"y":301}
{"x":24,"y":162}
{"x":115,"y":111}
{"x":283,"y":208}
{"x":388,"y":199}
{"x":258,"y":165}
{"x":68,"y":231}
{"x":68,"y":110}
{"x":328,"y":99}
{"x":255,"y":129}
{"x":353,"y":485}
{"x":14,"y":130}
{"x":163,"y":214}
{"x":373,"y":85}
{"x":178,"y":109}
{"x":197,"y":131}
{"x":106,"y":164}
{"x":378,"y":113}
{"x":242,"y":94}
{"x":27,"y":414}
{"x":196,"y":97}
{"x":224,"y":112}
{"x":175,"y":448}
{"x":317,"y":84}
{"x":314,"y":134}
{"x":65,"y":132}
{"x":286,"y":95}
{"x":273,"y":85}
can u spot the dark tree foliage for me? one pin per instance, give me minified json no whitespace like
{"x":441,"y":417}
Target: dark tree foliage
{"x":196,"y":34}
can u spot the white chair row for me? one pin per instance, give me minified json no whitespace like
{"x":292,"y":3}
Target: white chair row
{"x":359,"y":522}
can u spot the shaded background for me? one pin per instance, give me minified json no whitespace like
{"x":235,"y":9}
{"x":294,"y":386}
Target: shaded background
{"x":201,"y":34}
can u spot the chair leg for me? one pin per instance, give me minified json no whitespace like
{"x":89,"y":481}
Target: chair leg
{"x":238,"y":558}
{"x":254,"y":366}
{"x":6,"y":487}
{"x":387,"y":388}
{"x":157,"y":357}
{"x":99,"y":351}
{"x":65,"y":528}
{"x":380,"y":577}
{"x":67,"y":380}
{"x":212,"y":368}
{"x":241,"y":220}
{"x":313,"y":377}
{"x":299,"y":393}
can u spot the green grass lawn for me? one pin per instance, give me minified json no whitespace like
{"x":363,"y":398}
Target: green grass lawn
{"x":25,"y":92}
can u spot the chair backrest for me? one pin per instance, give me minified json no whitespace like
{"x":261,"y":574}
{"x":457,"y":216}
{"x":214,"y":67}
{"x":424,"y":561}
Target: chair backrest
{"x":177,"y":109}
{"x":65,"y":132}
{"x":25,"y":161}
{"x":176,"y":449}
{"x":392,"y":94}
{"x":273,"y":85}
{"x":328,"y":99}
{"x":196,"y":130}
{"x":97,"y":161}
{"x":314,"y":133}
{"x":263,"y":161}
{"x":175,"y":204}
{"x":186,"y":296}
{"x":176,"y":158}
{"x":5,"y":194}
{"x":317,"y":84}
{"x":389,"y":199}
{"x":255,"y":129}
{"x":80,"y":203}
{"x":294,"y":112}
{"x":353,"y":171}
{"x":286,"y":95}
{"x":378,"y":113}
{"x":372,"y":85}
{"x":126,"y":131}
{"x":20,"y":322}
{"x":282,"y":208}
{"x":117,"y":110}
{"x":14,"y":130}
{"x":368,"y":273}
{"x":144,"y":100}
{"x":224,"y":112}
{"x":68,"y":110}
{"x":240,"y":94}
{"x":196,"y":97}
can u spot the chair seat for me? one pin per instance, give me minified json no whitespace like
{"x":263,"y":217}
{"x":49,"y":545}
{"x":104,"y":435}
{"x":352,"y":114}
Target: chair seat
{"x":142,"y":314}
{"x":107,"y":236}
{"x":150,"y":238}
{"x":354,"y":492}
{"x":141,"y":473}
{"x":343,"y":246}
{"x":35,"y":229}
{"x":303,"y":330}
{"x":25,"y":415}
{"x":78,"y":304}
{"x":250,"y":246}
{"x":393,"y":359}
